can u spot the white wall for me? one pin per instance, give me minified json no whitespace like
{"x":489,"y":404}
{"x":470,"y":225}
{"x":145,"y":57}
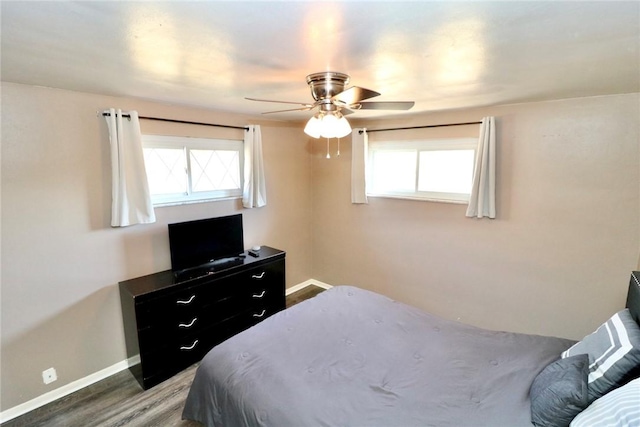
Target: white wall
{"x":61,"y":261}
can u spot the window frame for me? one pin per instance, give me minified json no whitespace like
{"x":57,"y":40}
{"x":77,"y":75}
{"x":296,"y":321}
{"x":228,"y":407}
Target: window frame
{"x":418,"y":146}
{"x":187,"y":144}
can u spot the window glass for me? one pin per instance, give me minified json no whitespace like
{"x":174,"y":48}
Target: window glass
{"x":395,"y":170}
{"x":182,"y":170}
{"x":437,"y":170}
{"x":166,"y":170}
{"x":215,"y":170}
{"x":446,"y":171}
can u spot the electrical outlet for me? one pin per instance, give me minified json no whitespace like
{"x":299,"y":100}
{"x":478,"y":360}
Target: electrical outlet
{"x":49,"y":375}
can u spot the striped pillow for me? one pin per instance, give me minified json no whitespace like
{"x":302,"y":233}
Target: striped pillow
{"x":621,"y":407}
{"x":614,"y":353}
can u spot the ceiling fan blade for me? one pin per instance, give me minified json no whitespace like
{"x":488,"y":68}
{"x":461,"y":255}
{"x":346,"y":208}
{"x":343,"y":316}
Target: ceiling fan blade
{"x":354,"y":94}
{"x":384,"y":105}
{"x":306,"y":108}
{"x":280,"y":102}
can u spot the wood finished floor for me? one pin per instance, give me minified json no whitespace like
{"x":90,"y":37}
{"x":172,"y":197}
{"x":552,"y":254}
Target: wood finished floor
{"x":120,"y":401}
{"x":303,"y":294}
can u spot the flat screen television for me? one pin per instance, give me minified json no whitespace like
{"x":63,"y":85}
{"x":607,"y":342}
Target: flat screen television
{"x":204,"y":241}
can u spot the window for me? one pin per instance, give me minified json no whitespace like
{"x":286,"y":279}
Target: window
{"x":182,"y":170}
{"x":439,"y":170}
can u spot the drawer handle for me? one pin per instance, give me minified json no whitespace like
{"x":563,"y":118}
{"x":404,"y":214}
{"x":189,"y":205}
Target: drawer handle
{"x":259,"y":315}
{"x":188,"y":325}
{"x":191,"y":347}
{"x":258,"y":276}
{"x":187,"y":301}
{"x":259,"y":296}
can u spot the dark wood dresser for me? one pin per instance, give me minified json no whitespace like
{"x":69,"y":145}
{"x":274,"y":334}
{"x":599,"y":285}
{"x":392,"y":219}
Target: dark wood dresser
{"x":172,"y":322}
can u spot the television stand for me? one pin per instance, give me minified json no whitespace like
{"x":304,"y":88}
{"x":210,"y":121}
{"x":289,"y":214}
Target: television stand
{"x":173,"y":321}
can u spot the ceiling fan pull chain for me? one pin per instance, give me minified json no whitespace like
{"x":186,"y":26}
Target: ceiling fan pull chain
{"x":328,"y":155}
{"x":338,"y":153}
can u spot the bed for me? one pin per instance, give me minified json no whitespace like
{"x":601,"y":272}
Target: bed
{"x":351,"y":357}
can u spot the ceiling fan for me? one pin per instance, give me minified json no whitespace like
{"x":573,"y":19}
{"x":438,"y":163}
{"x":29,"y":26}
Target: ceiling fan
{"x":333,"y":101}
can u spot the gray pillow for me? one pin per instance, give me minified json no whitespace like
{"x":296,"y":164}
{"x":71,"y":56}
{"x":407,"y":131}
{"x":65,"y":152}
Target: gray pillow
{"x":614,"y":353}
{"x":559,"y":392}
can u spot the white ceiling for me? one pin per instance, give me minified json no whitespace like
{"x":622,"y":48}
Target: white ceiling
{"x":442,"y":55}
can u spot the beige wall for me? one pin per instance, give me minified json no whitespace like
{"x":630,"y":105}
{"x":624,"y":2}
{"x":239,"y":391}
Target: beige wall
{"x":61,"y":261}
{"x":556,"y":260}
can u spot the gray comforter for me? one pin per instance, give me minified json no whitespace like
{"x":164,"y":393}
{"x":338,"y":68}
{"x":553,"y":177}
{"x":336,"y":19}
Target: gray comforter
{"x":350,"y":357}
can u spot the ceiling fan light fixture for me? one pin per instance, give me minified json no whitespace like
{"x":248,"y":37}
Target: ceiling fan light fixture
{"x":344,"y":128}
{"x":313,"y":127}
{"x":330,"y":125}
{"x":330,"y":96}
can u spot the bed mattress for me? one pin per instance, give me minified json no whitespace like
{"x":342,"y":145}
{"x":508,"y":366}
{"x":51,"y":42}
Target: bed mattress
{"x":351,"y":357}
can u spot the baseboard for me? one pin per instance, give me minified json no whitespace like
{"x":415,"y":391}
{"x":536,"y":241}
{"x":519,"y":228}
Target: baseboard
{"x":67,"y":389}
{"x":310,"y":282}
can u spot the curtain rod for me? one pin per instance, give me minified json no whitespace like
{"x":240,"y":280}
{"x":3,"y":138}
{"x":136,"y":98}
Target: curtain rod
{"x":182,"y":121}
{"x":423,"y":127}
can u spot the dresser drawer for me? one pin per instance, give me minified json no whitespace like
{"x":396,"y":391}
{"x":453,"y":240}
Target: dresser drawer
{"x":171,"y":328}
{"x":265,"y":283}
{"x":181,"y":353}
{"x":182,"y":306}
{"x":271,"y":273}
{"x":261,"y":311}
{"x":264,"y":296}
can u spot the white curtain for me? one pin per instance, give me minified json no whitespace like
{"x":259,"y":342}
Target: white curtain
{"x":131,"y":200}
{"x":254,"y":194}
{"x":359,"y":147}
{"x":482,"y":202}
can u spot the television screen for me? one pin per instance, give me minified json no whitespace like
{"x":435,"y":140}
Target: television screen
{"x":194,"y":243}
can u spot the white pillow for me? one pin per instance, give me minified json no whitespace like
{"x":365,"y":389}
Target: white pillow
{"x":619,"y":408}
